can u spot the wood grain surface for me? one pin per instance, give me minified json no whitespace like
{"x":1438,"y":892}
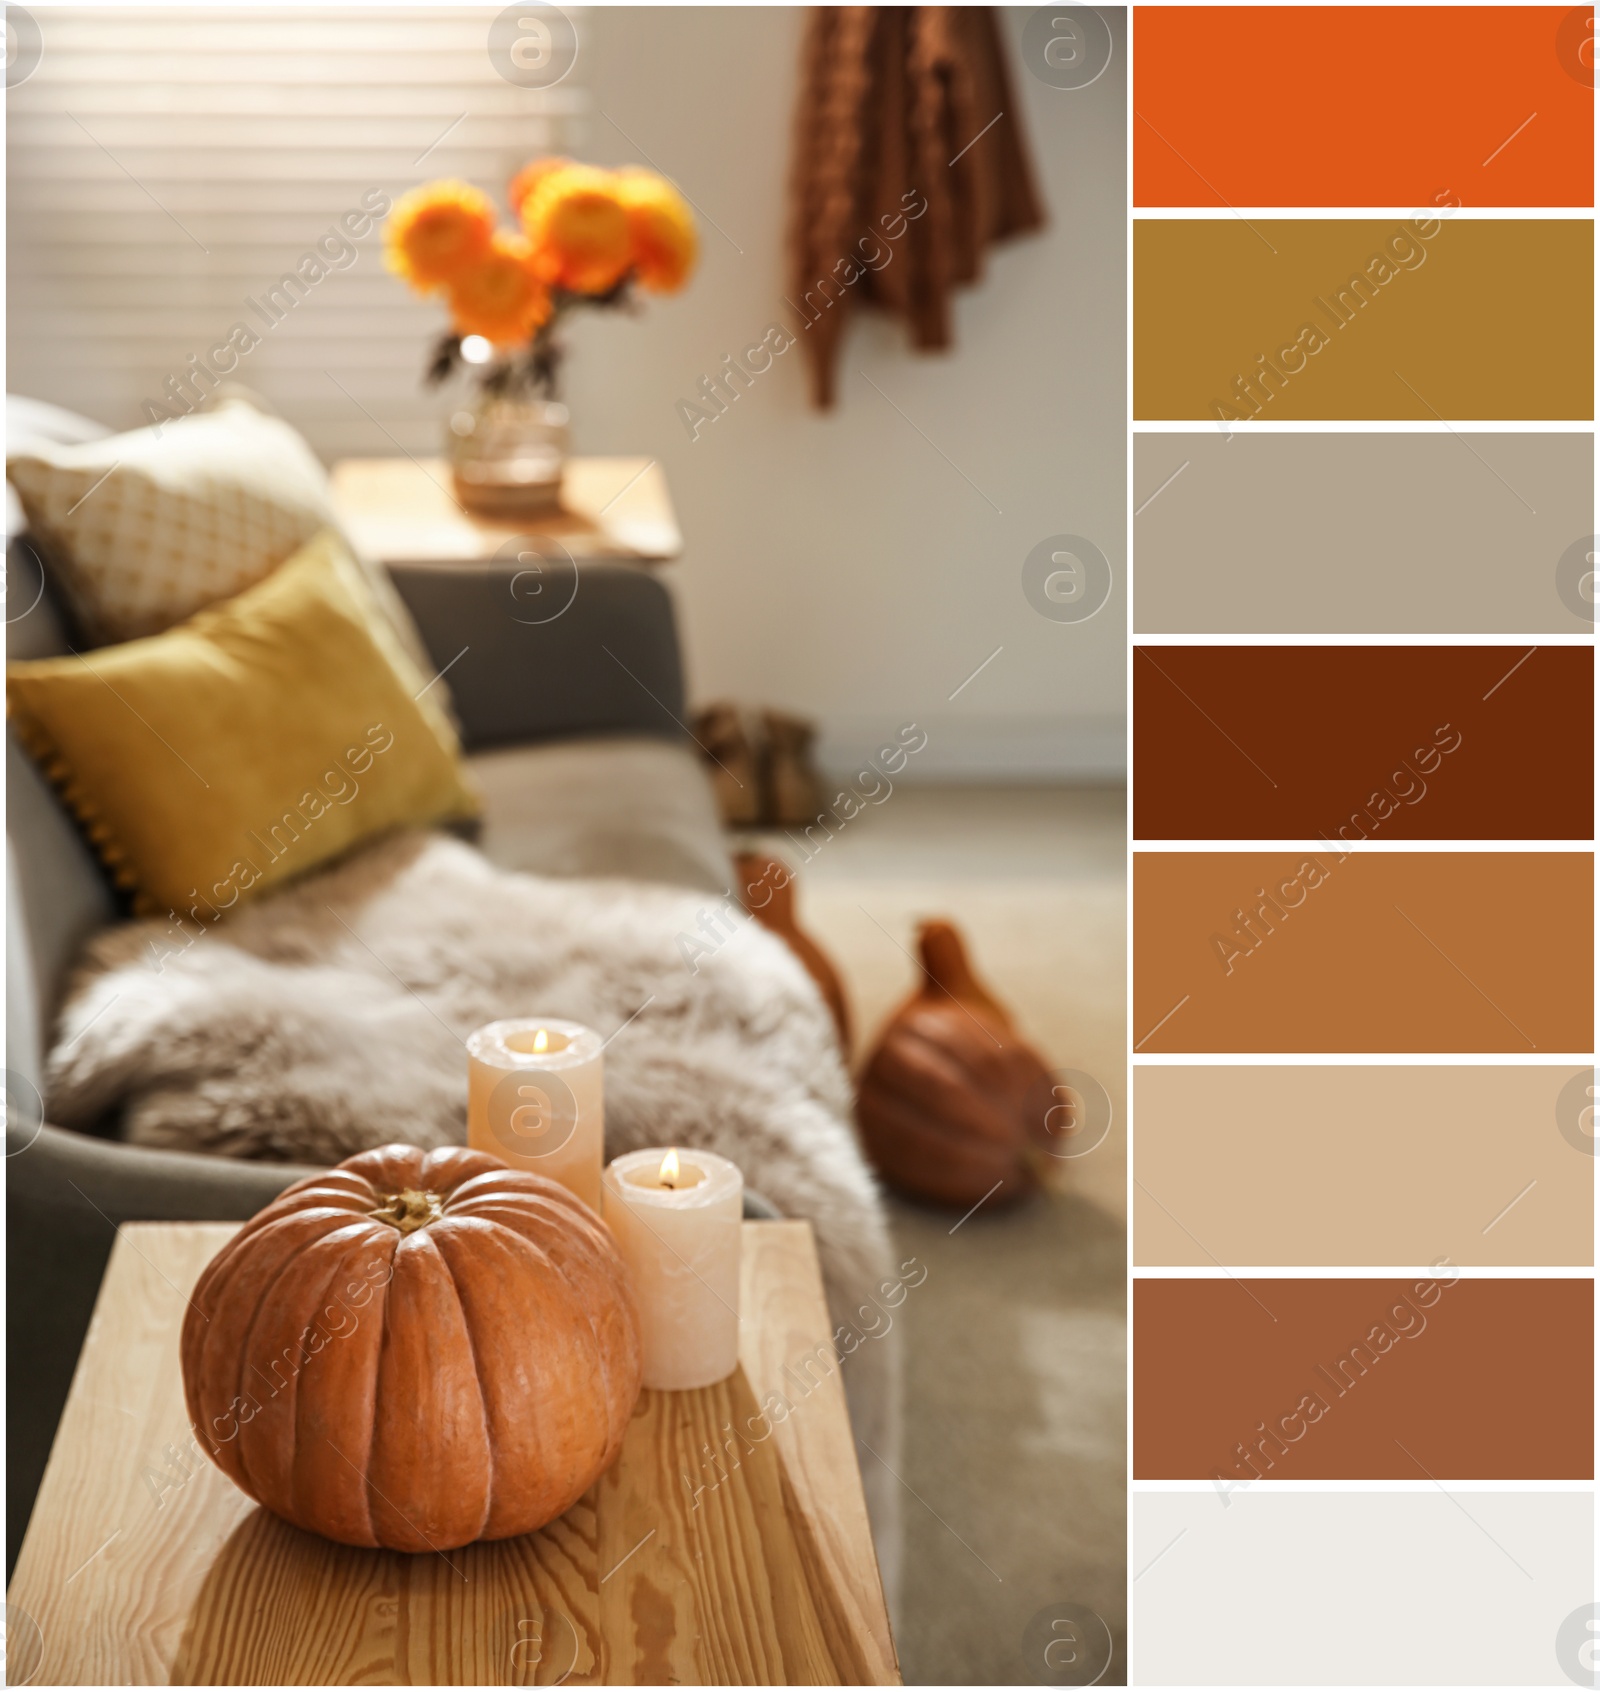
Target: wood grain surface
{"x":724,"y":1547}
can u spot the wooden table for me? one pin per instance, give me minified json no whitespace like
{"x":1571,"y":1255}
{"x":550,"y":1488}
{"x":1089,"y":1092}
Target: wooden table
{"x":404,"y":511}
{"x":143,"y":1564}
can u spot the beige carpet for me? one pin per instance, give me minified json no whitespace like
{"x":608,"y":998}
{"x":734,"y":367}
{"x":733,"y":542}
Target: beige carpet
{"x":1015,"y":1344}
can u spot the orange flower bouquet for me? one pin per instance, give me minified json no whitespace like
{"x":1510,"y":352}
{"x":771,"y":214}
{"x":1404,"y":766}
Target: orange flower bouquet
{"x":584,"y":237}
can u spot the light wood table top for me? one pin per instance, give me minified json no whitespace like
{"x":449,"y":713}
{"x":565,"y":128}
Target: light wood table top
{"x":404,"y":511}
{"x":143,"y":1564}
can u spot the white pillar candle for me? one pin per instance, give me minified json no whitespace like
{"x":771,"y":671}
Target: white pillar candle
{"x":675,"y":1215}
{"x":535,"y":1097}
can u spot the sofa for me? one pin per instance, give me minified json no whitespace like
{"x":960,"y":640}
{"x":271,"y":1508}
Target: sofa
{"x":573,"y":731}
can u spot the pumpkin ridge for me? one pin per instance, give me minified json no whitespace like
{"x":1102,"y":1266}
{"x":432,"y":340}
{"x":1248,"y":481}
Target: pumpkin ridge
{"x":446,"y":1155}
{"x":432,"y":1270}
{"x":213,"y":1286}
{"x":341,"y":1266}
{"x":260,"y":1223}
{"x":579,"y":1301}
{"x":250,"y":1334}
{"x":477,"y":1376}
{"x":377,"y":1376}
{"x":517,"y":1246}
{"x":275,"y":1427}
{"x":495,"y":1187}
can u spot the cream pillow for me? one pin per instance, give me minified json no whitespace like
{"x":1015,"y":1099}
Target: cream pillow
{"x":149,"y":527}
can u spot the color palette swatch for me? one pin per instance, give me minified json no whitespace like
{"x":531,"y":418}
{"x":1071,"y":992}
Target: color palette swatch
{"x":1363,"y":697}
{"x":1438,"y":532}
{"x":1364,"y":742}
{"x":1385,"y":319}
{"x":1342,"y":1379}
{"x":1362,"y":1165}
{"x":1355,"y":1588}
{"x":1357,"y":949}
{"x":1370,"y":105}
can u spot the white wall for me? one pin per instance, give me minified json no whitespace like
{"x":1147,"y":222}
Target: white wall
{"x":836,"y":564}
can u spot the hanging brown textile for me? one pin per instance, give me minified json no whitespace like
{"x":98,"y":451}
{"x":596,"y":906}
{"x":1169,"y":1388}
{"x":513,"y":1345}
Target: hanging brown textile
{"x":898,"y":186}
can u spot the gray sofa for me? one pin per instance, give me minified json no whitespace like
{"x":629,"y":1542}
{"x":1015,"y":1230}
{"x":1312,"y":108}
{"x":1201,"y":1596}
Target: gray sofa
{"x":573,"y":730}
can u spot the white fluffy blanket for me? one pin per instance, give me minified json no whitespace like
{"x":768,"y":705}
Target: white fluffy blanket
{"x":329,"y":1017}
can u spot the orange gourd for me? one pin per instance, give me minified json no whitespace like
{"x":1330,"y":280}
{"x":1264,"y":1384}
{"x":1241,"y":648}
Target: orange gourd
{"x":415,"y":1350}
{"x":766,"y":889}
{"x":951,"y":1097}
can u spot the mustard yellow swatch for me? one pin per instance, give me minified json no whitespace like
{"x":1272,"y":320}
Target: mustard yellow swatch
{"x":1429,"y":317}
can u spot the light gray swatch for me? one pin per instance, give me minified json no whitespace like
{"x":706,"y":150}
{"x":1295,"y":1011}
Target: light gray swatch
{"x":1450,"y":533}
{"x":1355,"y":1588}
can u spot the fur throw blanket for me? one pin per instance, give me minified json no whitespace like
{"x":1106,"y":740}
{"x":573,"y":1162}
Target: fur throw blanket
{"x":330,"y":1016}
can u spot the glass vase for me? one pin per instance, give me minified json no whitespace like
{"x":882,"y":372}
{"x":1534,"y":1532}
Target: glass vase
{"x":508,"y":454}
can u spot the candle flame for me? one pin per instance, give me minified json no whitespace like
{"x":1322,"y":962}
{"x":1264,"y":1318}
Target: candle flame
{"x":669,"y":1169}
{"x":541,"y":1041}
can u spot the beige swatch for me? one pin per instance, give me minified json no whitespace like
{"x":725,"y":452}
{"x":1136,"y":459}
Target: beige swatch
{"x":1358,"y":534}
{"x":1371,"y":1165}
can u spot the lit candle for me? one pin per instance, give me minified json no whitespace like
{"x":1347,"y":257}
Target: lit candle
{"x":675,"y":1216}
{"x":534,"y":1097}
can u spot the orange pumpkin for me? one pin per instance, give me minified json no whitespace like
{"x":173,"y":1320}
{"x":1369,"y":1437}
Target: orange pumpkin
{"x":415,"y":1350}
{"x":951,"y":1097}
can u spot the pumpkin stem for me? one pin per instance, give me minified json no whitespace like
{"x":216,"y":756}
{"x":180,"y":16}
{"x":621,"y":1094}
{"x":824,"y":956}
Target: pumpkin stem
{"x":945,"y":965}
{"x":409,"y":1210}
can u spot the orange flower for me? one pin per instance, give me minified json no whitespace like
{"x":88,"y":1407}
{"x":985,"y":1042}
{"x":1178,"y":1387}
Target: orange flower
{"x":529,"y":178}
{"x":579,"y":230}
{"x":434,"y":231}
{"x":499,"y":296}
{"x":662,"y":226}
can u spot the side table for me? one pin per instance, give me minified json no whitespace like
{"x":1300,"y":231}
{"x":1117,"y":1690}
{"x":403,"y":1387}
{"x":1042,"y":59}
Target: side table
{"x":144,"y":1565}
{"x":403,"y":511}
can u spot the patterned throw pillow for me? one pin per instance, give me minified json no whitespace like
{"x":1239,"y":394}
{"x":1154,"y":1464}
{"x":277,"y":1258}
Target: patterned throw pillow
{"x":149,"y":527}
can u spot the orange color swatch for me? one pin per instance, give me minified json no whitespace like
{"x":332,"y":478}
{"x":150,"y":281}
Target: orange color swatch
{"x":1363,"y":105}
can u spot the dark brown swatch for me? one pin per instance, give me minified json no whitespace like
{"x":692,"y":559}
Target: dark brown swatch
{"x":1426,"y":317}
{"x":1363,"y":742}
{"x":1438,"y":1378}
{"x":1357,"y":949}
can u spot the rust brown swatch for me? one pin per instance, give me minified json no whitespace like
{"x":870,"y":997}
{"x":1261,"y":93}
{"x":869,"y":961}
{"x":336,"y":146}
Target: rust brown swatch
{"x":1383,"y":742}
{"x":1422,"y":317}
{"x":1412,"y":1379}
{"x":1357,"y":949}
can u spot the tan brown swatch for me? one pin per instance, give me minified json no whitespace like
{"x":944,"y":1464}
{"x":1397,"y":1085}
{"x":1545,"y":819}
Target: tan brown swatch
{"x":1450,"y":1379}
{"x":1363,"y":950}
{"x":1363,"y":318}
{"x":1317,"y":1165}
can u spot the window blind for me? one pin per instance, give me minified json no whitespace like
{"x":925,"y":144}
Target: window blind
{"x":167,"y":168}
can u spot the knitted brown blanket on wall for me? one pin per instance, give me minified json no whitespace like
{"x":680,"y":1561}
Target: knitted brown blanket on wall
{"x":909,"y":160}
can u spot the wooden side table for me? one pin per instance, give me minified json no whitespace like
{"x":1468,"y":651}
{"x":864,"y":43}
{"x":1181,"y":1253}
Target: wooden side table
{"x":404,"y":511}
{"x":144,"y":1565}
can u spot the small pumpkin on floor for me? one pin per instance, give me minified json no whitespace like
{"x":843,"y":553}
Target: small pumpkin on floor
{"x":951,"y":1098}
{"x":415,"y":1350}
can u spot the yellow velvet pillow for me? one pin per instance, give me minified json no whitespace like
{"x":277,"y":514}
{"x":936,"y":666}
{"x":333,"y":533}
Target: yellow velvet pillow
{"x":264,"y":736}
